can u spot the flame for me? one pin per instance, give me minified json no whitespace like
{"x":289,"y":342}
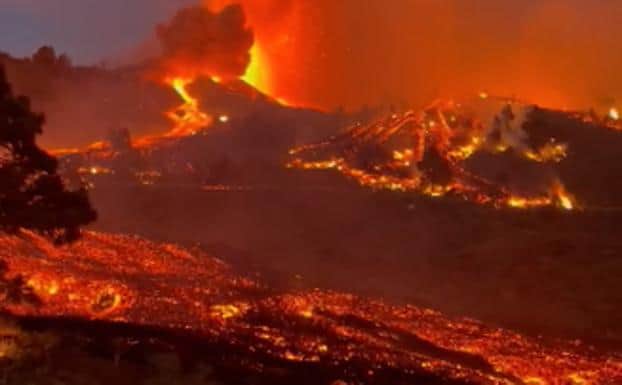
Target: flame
{"x":614,"y":113}
{"x":563,"y":198}
{"x":549,"y":152}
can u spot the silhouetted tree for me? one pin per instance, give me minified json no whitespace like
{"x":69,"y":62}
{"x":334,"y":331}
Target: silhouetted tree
{"x":32,"y":194}
{"x":45,"y":57}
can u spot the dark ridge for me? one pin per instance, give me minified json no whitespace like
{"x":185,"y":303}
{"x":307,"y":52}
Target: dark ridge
{"x":232,"y":361}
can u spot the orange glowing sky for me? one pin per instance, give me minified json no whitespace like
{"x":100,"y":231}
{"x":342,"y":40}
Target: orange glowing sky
{"x":330,"y":53}
{"x":323,"y":53}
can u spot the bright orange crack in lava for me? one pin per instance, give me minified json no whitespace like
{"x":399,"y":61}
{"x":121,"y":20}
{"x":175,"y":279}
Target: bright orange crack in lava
{"x":131,"y":280}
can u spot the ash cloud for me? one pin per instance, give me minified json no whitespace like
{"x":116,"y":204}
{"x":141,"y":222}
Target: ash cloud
{"x":206,"y":42}
{"x":557,"y":53}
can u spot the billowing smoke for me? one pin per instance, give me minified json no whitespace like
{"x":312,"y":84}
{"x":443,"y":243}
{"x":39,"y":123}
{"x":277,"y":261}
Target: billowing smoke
{"x":558,"y":53}
{"x":326,"y":53}
{"x":200,"y":41}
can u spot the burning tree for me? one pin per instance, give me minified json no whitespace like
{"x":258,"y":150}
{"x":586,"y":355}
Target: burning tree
{"x":32,"y":193}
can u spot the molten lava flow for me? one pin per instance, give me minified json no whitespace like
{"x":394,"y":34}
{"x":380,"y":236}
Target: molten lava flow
{"x":188,"y":118}
{"x":99,"y":146}
{"x":129,"y":280}
{"x":426,"y":152}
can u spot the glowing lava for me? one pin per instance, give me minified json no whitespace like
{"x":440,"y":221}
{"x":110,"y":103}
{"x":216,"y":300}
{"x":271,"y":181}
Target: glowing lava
{"x":564,"y":199}
{"x":129,"y":280}
{"x":425,"y":152}
{"x":188,"y":118}
{"x":258,"y":71}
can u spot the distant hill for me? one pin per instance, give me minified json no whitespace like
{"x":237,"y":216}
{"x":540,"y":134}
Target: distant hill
{"x":82,"y":104}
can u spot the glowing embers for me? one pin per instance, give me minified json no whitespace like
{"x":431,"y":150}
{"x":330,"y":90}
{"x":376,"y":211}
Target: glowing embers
{"x":130,"y":280}
{"x":188,"y":119}
{"x":427,"y":152}
{"x":95,"y":170}
{"x":550,"y":152}
{"x":94,"y":298}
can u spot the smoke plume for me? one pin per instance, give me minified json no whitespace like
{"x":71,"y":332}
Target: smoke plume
{"x":199,"y":40}
{"x":557,"y":53}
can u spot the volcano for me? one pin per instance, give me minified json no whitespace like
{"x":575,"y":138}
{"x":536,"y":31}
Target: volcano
{"x":243,"y":238}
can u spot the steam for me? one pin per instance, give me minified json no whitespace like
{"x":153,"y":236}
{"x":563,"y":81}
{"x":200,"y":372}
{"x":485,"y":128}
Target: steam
{"x":199,"y":40}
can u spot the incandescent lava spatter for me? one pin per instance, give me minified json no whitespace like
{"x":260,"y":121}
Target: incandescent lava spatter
{"x":130,"y":281}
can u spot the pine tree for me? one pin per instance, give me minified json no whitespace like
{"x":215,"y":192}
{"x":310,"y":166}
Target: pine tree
{"x":32,"y":193}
